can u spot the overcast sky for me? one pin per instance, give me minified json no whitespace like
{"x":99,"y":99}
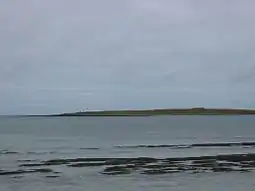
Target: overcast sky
{"x":64,"y":56}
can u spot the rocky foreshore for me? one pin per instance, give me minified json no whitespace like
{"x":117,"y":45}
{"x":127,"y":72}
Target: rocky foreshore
{"x":144,"y":165}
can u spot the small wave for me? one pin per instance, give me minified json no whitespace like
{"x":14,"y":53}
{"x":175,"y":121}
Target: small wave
{"x":27,"y":160}
{"x":229,"y":144}
{"x":20,"y":171}
{"x":182,"y":147}
{"x":187,"y":146}
{"x":7,"y":152}
{"x":36,"y":153}
{"x":92,"y":148}
{"x":153,"y":146}
{"x":41,"y":152}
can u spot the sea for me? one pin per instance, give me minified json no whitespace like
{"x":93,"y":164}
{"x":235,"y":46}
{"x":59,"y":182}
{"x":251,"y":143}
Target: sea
{"x":31,"y":143}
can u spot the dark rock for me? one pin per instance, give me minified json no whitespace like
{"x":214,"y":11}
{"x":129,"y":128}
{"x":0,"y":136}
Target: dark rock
{"x":222,"y":169}
{"x":136,"y":161}
{"x":156,"y":166}
{"x":43,"y":170}
{"x":236,"y":157}
{"x":148,"y":165}
{"x":204,"y":161}
{"x":245,"y":170}
{"x":116,"y":170}
{"x":157,"y":172}
{"x":52,"y":176}
{"x":87,"y":164}
{"x":228,"y":164}
{"x":185,"y":168}
{"x":55,"y":162}
{"x":31,"y":165}
{"x":145,"y":160}
{"x":87,"y":160}
{"x":248,"y":164}
{"x":229,"y":158}
{"x":15,"y":172}
{"x":184,"y":159}
{"x":68,"y":161}
{"x":205,"y":165}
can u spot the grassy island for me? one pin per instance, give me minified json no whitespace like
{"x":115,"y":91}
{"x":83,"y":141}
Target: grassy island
{"x":155,"y":112}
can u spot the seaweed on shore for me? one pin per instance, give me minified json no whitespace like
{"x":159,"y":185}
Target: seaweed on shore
{"x":152,"y":166}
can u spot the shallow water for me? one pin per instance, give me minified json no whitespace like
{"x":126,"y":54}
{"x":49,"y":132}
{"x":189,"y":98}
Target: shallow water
{"x":41,"y":139}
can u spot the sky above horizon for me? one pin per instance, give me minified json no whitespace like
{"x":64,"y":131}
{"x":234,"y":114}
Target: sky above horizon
{"x":65,"y":56}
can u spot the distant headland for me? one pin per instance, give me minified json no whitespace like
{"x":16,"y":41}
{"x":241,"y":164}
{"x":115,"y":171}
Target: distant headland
{"x":157,"y":112}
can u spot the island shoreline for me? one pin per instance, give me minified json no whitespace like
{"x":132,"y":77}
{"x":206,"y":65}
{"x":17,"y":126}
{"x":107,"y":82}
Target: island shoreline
{"x":158,"y":112}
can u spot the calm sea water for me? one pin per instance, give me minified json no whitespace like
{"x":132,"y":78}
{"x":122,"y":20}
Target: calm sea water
{"x":39,"y":139}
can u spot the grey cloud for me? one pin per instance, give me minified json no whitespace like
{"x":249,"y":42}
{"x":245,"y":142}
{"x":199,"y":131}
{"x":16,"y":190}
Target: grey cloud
{"x":58,"y":56}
